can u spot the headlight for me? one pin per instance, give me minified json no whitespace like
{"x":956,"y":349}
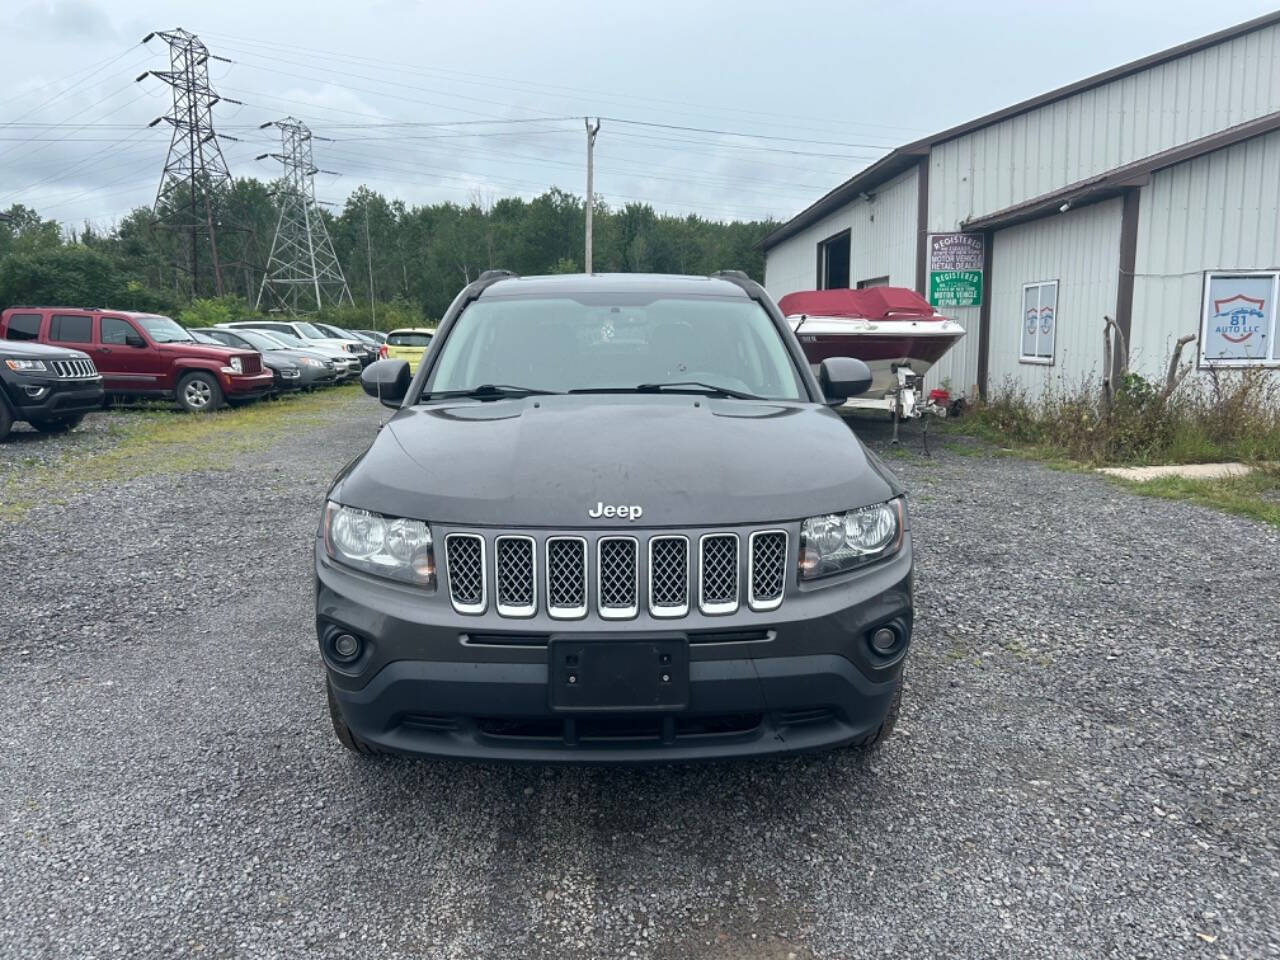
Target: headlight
{"x":25,"y":366}
{"x":385,"y":546}
{"x":835,"y":542}
{"x":236,"y":364}
{"x":310,"y":362}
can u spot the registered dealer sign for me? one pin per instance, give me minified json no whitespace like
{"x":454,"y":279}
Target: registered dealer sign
{"x":955,"y":269}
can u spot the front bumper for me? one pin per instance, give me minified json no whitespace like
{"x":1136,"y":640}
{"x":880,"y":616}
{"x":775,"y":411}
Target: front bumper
{"x":54,"y":397}
{"x":430,"y":681}
{"x":243,"y":386}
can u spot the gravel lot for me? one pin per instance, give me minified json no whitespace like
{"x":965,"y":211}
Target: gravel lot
{"x":1087,"y":764}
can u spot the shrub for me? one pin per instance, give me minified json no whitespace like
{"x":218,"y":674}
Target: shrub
{"x":1222,"y":415}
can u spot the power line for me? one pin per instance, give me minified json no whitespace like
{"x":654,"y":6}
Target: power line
{"x":524,"y":85}
{"x":94,"y":70}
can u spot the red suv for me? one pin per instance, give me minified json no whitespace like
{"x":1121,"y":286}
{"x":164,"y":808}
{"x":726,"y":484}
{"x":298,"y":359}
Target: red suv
{"x":142,"y":354}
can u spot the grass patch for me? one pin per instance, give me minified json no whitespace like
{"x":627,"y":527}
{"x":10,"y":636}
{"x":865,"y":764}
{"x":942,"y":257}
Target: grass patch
{"x":1225,"y":416}
{"x":153,"y":442}
{"x":1255,"y":495}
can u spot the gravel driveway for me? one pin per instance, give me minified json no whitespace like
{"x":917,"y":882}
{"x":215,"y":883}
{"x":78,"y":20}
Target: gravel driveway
{"x":1087,"y":764}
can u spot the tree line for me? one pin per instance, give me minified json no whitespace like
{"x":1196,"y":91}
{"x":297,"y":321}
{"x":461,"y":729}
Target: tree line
{"x":411,"y":261}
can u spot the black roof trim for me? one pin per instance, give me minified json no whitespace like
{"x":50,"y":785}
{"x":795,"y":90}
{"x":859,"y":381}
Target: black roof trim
{"x":1116,"y":181}
{"x":903,"y":157}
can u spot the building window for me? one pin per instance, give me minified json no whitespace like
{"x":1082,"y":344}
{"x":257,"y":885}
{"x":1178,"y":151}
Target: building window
{"x":1039,"y":321}
{"x":834,"y":257}
{"x":873,"y":282}
{"x":1238,"y":319}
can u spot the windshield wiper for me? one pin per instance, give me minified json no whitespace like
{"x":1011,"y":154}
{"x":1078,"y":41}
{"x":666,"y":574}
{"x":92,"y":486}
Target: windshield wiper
{"x":696,"y":386}
{"x":486,"y":391}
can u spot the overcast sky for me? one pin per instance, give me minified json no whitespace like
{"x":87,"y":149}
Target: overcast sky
{"x":798,"y":95}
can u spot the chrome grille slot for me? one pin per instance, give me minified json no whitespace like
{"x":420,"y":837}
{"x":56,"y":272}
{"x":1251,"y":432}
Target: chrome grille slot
{"x":718,"y":573}
{"x":617,"y":577}
{"x":74,"y":369}
{"x":767,"y":569}
{"x":669,"y":576}
{"x":566,"y":577}
{"x":515,"y":576}
{"x":464,"y":556}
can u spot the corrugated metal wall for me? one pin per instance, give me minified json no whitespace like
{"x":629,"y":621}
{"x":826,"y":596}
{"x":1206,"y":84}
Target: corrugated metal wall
{"x":883,"y":234}
{"x":1081,"y":250}
{"x":1219,"y":211}
{"x":1099,"y":129}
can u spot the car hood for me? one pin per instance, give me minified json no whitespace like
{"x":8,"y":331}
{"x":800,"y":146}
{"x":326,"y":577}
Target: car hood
{"x":546,"y":461}
{"x":27,"y":350}
{"x":207,"y":351}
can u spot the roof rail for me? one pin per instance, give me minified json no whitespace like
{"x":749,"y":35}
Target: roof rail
{"x":739,"y":278}
{"x":496,"y":275}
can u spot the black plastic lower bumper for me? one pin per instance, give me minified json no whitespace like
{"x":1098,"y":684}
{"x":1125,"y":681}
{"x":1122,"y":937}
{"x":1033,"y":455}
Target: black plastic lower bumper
{"x":54,"y":399}
{"x":743,"y":707}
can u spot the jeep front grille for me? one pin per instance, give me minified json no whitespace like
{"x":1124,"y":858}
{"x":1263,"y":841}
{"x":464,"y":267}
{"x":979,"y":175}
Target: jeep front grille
{"x":464,"y":556}
{"x":718,"y":573}
{"x":75,"y":369}
{"x":669,"y":576}
{"x":767,"y":569}
{"x":609,"y":574}
{"x":618,"y":574}
{"x":516,"y":580}
{"x":251,"y":363}
{"x":566,"y":577}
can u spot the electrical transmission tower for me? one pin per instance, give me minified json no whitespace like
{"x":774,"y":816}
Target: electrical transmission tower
{"x":195,"y":171}
{"x":303,"y":263}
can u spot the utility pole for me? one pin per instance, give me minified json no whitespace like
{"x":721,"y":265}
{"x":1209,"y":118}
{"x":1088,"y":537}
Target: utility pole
{"x":368,"y":246}
{"x":591,"y":144}
{"x":302,"y":256}
{"x":195,"y":164}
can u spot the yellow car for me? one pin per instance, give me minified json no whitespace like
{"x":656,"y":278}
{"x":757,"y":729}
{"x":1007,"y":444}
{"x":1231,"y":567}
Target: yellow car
{"x":408,"y":343}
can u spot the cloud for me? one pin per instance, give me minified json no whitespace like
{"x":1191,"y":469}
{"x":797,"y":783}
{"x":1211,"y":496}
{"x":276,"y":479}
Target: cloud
{"x":70,"y":19}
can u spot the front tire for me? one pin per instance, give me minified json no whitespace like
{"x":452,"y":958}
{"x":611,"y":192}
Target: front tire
{"x":59,"y":425}
{"x":6,"y":419}
{"x":199,"y":393}
{"x":340,"y":728}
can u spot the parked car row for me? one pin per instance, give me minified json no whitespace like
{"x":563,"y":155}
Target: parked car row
{"x":57,"y":363}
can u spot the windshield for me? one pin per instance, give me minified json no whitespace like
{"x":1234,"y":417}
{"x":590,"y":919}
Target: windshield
{"x":307,"y":330}
{"x":288,"y":339}
{"x":618,"y":342}
{"x":409,"y":340}
{"x":259,"y":341}
{"x":164,"y":330}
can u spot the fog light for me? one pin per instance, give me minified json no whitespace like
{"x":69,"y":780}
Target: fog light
{"x":884,"y":640}
{"x":345,"y":646}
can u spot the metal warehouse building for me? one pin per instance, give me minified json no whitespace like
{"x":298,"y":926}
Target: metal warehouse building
{"x":1150,"y":193}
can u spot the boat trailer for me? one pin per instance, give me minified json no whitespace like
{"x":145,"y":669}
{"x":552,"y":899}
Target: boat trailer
{"x":906,"y":402}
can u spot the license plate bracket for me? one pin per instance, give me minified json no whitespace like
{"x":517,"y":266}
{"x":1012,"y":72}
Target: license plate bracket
{"x":601,"y":674}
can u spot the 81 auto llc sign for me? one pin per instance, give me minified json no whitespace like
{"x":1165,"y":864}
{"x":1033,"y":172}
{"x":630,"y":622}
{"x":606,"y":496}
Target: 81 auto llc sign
{"x":1238,"y":323}
{"x":955,"y":269}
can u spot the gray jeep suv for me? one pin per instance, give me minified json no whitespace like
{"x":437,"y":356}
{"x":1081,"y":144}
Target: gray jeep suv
{"x":613,"y":519}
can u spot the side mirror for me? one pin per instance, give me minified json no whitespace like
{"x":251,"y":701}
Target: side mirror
{"x":388,"y":380}
{"x":842,"y":378}
{"x":134,"y":340}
